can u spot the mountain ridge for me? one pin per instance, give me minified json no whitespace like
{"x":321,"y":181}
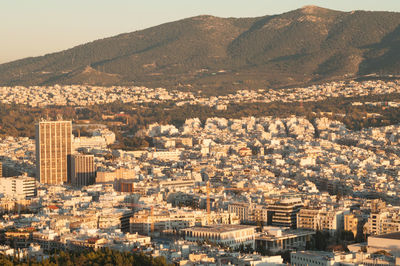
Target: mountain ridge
{"x":310,"y":44}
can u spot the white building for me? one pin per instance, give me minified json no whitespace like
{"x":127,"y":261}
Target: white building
{"x":18,"y":187}
{"x":388,"y":242}
{"x":227,"y":234}
{"x":319,"y":258}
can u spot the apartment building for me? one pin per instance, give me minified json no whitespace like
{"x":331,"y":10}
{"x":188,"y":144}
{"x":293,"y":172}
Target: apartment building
{"x":383,"y":222}
{"x":18,"y":187}
{"x":326,"y":219}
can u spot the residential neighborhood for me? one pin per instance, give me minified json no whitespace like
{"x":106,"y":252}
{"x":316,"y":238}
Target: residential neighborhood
{"x":249,"y":191}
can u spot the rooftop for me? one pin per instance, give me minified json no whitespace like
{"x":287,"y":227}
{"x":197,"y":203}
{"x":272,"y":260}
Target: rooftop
{"x":220,"y":228}
{"x":395,"y":235}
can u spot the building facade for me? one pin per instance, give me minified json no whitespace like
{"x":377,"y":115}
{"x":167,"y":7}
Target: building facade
{"x":18,"y":187}
{"x":228,"y":235}
{"x":284,"y":212}
{"x":384,"y":222}
{"x":277,"y":239}
{"x":330,"y":220}
{"x":53,"y":146}
{"x":240,"y":209}
{"x":163,"y":222}
{"x":249,"y":213}
{"x":353,"y":223}
{"x":83,"y":171}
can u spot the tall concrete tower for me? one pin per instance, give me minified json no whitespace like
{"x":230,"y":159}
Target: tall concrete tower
{"x":53,"y":146}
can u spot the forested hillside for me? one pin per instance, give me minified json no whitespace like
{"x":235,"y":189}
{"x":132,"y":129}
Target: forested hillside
{"x":307,"y":45}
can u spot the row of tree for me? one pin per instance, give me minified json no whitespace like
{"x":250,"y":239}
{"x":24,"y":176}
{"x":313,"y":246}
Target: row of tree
{"x":88,"y":257}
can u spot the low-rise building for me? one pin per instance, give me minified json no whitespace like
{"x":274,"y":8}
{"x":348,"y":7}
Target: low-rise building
{"x":275,"y":239}
{"x":388,"y":242}
{"x":227,"y":235}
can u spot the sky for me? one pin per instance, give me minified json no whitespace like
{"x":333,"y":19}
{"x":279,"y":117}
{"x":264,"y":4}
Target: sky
{"x":37,"y":27}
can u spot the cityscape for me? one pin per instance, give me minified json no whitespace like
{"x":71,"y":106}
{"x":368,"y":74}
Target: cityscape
{"x":296,"y":173}
{"x":265,"y":185}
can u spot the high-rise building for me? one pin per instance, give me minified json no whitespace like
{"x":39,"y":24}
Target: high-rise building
{"x":82,"y":170}
{"x":53,"y":146}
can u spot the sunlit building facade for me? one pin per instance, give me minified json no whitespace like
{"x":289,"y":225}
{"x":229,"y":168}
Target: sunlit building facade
{"x":53,"y":146}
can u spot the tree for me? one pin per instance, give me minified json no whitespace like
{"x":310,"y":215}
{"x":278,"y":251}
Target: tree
{"x":346,"y":235}
{"x":321,"y":240}
{"x":90,"y":257}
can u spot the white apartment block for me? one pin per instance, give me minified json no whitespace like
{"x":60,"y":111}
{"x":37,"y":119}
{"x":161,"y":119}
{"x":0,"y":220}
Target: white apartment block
{"x":18,"y":187}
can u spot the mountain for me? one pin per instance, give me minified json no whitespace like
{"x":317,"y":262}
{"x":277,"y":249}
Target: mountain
{"x":310,"y":44}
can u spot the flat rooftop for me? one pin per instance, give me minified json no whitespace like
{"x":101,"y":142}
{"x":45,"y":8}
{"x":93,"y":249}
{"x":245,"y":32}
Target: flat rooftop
{"x":286,"y":234}
{"x":220,"y":228}
{"x":315,"y":254}
{"x":395,"y":235}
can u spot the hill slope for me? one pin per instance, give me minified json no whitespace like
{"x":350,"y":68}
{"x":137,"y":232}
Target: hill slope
{"x":305,"y":45}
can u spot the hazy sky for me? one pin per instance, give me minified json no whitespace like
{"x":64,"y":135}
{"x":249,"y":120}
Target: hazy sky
{"x":37,"y":27}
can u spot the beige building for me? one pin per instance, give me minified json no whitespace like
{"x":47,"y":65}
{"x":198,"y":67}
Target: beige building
{"x":109,"y":177}
{"x":249,"y":213}
{"x":240,"y":209}
{"x":82,"y":170}
{"x":169,"y":221}
{"x":53,"y":146}
{"x":12,"y":204}
{"x":383,"y":222}
{"x":227,"y":235}
{"x":330,"y":220}
{"x":308,"y":218}
{"x":177,"y":184}
{"x":115,"y":218}
{"x":351,"y":223}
